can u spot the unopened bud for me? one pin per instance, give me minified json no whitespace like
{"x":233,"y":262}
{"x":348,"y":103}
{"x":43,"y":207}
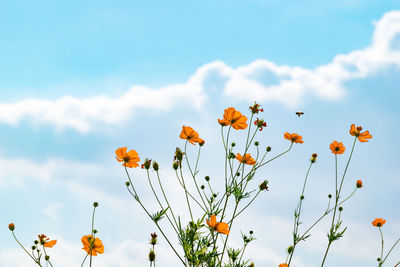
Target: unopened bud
{"x":11,"y":226}
{"x":264,"y":185}
{"x":95,"y":204}
{"x":268,"y":148}
{"x":155,"y":166}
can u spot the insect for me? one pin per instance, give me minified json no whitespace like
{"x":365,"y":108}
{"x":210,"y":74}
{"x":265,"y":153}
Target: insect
{"x":299,"y":113}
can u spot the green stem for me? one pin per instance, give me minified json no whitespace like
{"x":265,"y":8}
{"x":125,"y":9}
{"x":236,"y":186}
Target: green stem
{"x":194,"y":174}
{"x":391,"y":251}
{"x":35,"y":260}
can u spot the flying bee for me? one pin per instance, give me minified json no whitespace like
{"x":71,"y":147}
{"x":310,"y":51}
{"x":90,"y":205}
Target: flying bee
{"x":299,"y":113}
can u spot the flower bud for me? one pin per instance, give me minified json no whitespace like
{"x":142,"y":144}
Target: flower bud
{"x":153,"y":239}
{"x":152,"y":255}
{"x":175,"y":165}
{"x":207,"y":178}
{"x":94,"y":231}
{"x":11,"y":226}
{"x":178,"y":154}
{"x":340,"y":208}
{"x":268,"y":148}
{"x":359,"y":184}
{"x":264,"y":185}
{"x":314,"y":158}
{"x":47,"y":257}
{"x":330,"y":196}
{"x":233,"y":144}
{"x":202,"y":187}
{"x":127,"y":183}
{"x":290,"y":250}
{"x":256,"y":143}
{"x":301,"y":197}
{"x":147,"y":163}
{"x":95,"y":204}
{"x":155,"y":166}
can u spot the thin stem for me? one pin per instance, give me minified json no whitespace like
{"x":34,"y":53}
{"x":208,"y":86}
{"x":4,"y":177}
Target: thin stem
{"x":35,"y":260}
{"x":44,"y":250}
{"x":166,"y":199}
{"x":194,"y":174}
{"x":391,"y":251}
{"x":186,"y":194}
{"x":84,"y":259}
{"x":380,"y":230}
{"x":190,"y":195}
{"x":159,"y":202}
{"x":248,"y":204}
{"x":159,"y":228}
{"x":94,"y":239}
{"x":297,"y":216}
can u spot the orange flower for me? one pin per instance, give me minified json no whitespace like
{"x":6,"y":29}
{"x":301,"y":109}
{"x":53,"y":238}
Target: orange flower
{"x":295,"y":138}
{"x":191,"y":135}
{"x":283,"y":265}
{"x":246,"y":159}
{"x":337,"y":148}
{"x":378,"y":222}
{"x":362,"y":137}
{"x":46,"y":242}
{"x":220,"y":227}
{"x":359,"y":184}
{"x":129,"y":159}
{"x":234,"y":118}
{"x":92,"y":245}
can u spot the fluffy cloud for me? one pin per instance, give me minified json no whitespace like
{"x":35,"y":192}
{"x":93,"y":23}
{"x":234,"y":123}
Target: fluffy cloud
{"x":262,"y":80}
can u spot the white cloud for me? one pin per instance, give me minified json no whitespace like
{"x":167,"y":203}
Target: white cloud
{"x":261,"y":80}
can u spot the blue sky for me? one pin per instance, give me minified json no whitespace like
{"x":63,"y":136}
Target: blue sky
{"x":79,"y":80}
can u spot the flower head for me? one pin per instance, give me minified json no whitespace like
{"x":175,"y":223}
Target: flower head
{"x":283,"y":265}
{"x":153,"y":239}
{"x":234,"y":118}
{"x":256,"y":108}
{"x":11,"y":226}
{"x":337,"y":148}
{"x":191,"y":135}
{"x":260,"y":124}
{"x":314,"y":157}
{"x":359,"y":184}
{"x":220,"y":227}
{"x":378,"y":222}
{"x":294,"y":138}
{"x":246,"y":159}
{"x":129,"y":159}
{"x":46,"y":242}
{"x":92,"y":245}
{"x":356,"y":131}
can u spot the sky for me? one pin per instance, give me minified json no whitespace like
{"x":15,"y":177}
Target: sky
{"x":80,"y":79}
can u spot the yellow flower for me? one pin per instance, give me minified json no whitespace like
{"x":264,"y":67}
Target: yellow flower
{"x":129,"y":159}
{"x":220,"y":227}
{"x":246,"y":159}
{"x":92,"y":245}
